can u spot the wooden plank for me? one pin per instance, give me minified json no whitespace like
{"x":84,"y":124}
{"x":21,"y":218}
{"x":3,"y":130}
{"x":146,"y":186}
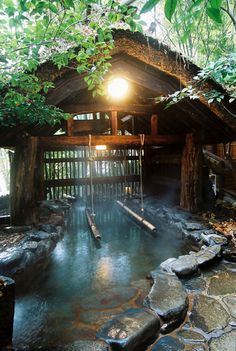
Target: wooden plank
{"x":110,"y":140}
{"x":86,"y":181}
{"x":114,"y":122}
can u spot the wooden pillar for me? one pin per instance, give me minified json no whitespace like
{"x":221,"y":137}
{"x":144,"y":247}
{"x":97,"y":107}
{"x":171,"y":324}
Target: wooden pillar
{"x":69,"y":126}
{"x":191,"y":175}
{"x":23,"y":207}
{"x":154,"y":125}
{"x":114,"y":122}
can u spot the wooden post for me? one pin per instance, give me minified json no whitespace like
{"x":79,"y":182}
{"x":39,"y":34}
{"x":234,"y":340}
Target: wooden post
{"x":114,"y":122}
{"x":69,"y":126}
{"x":191,"y":175}
{"x":154,"y":125}
{"x":22,"y":182}
{"x":39,"y":176}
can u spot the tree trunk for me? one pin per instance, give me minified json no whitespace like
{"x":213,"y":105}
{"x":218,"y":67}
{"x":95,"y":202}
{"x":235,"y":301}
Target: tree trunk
{"x":191,"y":175}
{"x":23,"y":207}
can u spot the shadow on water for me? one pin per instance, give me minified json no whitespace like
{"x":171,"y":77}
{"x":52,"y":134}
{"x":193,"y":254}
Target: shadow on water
{"x":85,"y":282}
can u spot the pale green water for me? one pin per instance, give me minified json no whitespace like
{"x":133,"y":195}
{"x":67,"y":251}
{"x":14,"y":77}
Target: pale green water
{"x":84,"y":284}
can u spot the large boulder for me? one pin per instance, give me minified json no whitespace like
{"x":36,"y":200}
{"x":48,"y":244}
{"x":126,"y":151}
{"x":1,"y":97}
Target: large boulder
{"x":131,"y":330}
{"x":207,"y":254}
{"x":167,"y":296}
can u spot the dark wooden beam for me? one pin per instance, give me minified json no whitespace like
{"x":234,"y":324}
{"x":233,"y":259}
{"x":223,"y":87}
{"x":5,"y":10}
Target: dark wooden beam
{"x":90,"y":108}
{"x":154,"y":125}
{"x":110,"y":140}
{"x":114,"y":122}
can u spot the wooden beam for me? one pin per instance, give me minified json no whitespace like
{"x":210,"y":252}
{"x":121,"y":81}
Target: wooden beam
{"x":86,"y":181}
{"x":110,"y":140}
{"x":114,"y":122}
{"x":90,"y":108}
{"x":154,"y":125}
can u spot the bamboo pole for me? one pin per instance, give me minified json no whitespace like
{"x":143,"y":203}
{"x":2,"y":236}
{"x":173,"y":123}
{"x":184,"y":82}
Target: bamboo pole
{"x":92,"y":225}
{"x":138,"y":218}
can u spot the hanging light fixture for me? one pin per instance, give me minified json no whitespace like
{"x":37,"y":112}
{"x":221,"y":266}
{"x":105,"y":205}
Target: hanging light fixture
{"x":117,"y":87}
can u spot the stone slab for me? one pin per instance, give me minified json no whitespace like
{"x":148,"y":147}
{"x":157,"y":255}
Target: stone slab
{"x":208,"y":314}
{"x":208,"y":254}
{"x":167,"y":296}
{"x":226,"y":342}
{"x":222,"y":283}
{"x":185,"y":265}
{"x":230,"y":302}
{"x":168,"y":343}
{"x":131,"y":329}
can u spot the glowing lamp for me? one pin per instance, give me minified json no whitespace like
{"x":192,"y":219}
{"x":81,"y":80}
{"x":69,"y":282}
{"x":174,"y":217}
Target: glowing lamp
{"x":118,"y":87}
{"x":100,"y":147}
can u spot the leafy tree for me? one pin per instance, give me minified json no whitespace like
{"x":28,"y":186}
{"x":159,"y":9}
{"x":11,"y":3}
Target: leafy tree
{"x":34,"y":31}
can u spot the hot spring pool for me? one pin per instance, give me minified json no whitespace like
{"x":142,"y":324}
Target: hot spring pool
{"x":85,"y":284}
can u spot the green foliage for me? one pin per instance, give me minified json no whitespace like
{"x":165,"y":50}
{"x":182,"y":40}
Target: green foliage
{"x":170,"y":6}
{"x":223,"y":71}
{"x":34,"y":31}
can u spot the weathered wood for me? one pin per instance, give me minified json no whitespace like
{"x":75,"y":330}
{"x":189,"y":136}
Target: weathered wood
{"x":154,"y":125}
{"x":114,"y":122}
{"x":110,"y":140}
{"x":217,"y":164}
{"x":135,"y":109}
{"x":22,"y":182}
{"x":191,"y":175}
{"x":69,"y":126}
{"x":39,"y":176}
{"x":140,"y":220}
{"x":90,"y":126}
{"x":92,"y":225}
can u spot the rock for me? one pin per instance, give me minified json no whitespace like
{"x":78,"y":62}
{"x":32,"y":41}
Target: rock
{"x":85,"y":345}
{"x":38,"y":235}
{"x":222,"y":283}
{"x":195,"y":235}
{"x":195,"y":284}
{"x":48,"y":228}
{"x":30,"y":245}
{"x":131,"y":329}
{"x":167,"y":296}
{"x":165,"y":266}
{"x":230,"y":302}
{"x":208,"y":314}
{"x":185,"y":265}
{"x":214,"y":239}
{"x":207,"y":254}
{"x":229,"y":253}
{"x":168,"y":343}
{"x":7,"y":300}
{"x":11,"y":261}
{"x":193,"y":226}
{"x":190,"y":336}
{"x":226,"y":342}
{"x":171,"y":325}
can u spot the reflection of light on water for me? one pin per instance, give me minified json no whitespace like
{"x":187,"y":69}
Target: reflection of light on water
{"x":60,"y":251}
{"x":104,"y":269}
{"x":109,"y":269}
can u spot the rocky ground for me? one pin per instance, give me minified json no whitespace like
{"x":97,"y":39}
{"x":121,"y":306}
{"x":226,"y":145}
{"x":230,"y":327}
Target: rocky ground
{"x":21,"y":247}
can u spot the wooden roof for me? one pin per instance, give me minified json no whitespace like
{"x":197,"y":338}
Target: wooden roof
{"x":152,"y":69}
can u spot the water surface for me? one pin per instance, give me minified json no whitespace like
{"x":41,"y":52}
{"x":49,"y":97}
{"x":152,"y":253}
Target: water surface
{"x":85,"y":284}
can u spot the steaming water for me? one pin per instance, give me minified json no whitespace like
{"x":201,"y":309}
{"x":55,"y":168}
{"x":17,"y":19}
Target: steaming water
{"x":84,"y":285}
